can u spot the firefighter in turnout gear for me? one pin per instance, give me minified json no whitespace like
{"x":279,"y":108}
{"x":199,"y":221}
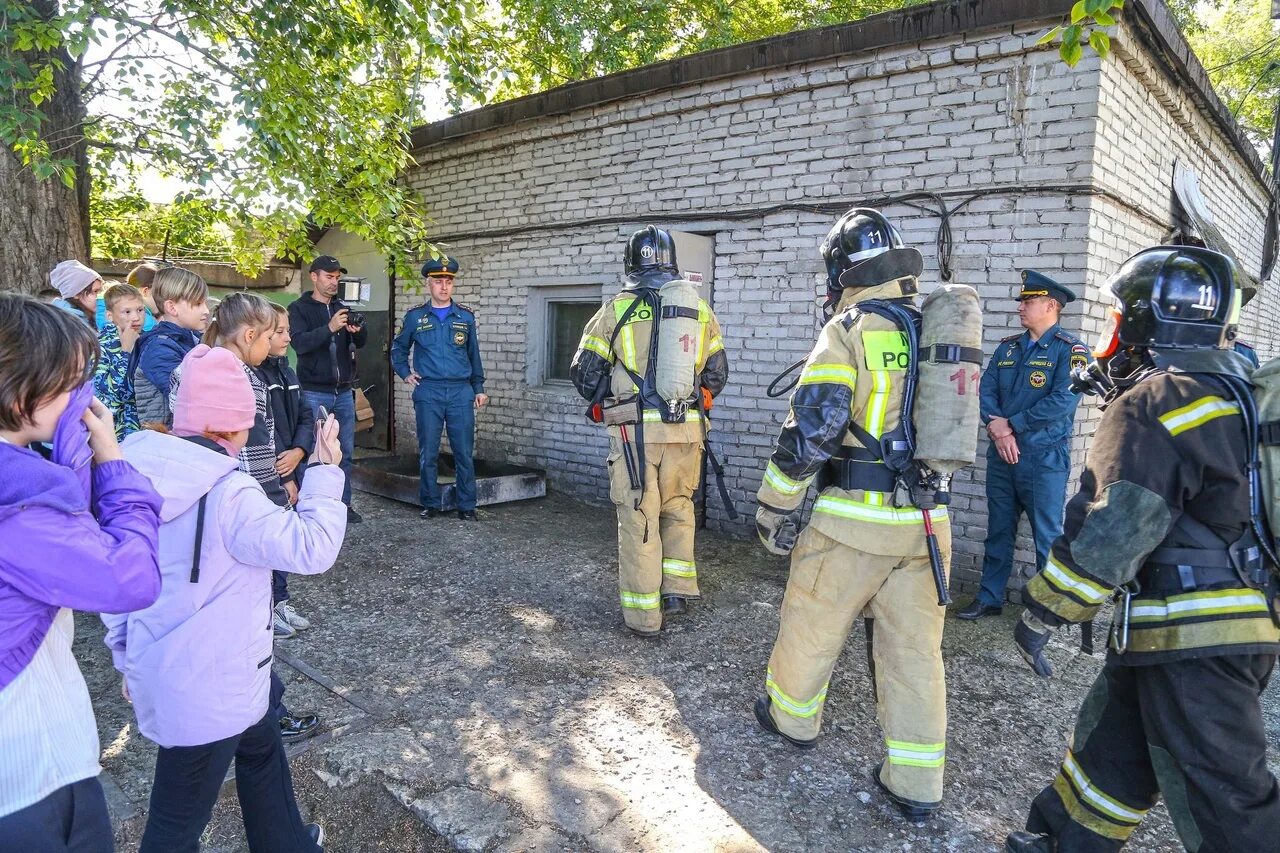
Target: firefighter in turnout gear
{"x":655,"y":442}
{"x":861,"y":548}
{"x":1168,"y":521}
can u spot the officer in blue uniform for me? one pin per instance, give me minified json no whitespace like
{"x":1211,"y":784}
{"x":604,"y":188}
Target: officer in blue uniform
{"x":1028,"y":406}
{"x":448,"y":384}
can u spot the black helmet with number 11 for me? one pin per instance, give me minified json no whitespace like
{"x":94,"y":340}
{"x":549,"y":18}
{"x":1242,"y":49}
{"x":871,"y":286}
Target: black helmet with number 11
{"x":1173,"y":297}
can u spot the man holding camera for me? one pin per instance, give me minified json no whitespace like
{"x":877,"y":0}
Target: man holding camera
{"x":448,"y":384}
{"x":326,"y":335}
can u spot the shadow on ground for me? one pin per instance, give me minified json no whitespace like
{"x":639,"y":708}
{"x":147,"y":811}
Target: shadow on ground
{"x":481,"y":695}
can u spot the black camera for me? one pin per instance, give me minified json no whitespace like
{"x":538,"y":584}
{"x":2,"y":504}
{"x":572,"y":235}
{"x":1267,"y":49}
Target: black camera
{"x":355,"y":318}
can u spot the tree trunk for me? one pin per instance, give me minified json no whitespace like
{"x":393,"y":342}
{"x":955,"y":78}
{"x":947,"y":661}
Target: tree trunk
{"x":43,"y":222}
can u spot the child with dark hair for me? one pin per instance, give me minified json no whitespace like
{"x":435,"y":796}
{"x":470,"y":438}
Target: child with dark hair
{"x":82,"y":527}
{"x":111,"y":382}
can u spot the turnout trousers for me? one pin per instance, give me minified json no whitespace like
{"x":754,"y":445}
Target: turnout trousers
{"x":655,"y":527}
{"x":1189,"y":730}
{"x":829,"y":585}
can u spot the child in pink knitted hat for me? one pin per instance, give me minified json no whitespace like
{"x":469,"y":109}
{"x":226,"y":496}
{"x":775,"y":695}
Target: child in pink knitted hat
{"x":215,"y":399}
{"x":197,"y":663}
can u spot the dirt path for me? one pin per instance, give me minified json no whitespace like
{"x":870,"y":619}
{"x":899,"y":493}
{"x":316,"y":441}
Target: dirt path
{"x":481,"y":695}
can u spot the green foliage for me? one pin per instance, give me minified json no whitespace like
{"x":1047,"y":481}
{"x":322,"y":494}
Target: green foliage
{"x":1238,"y":45}
{"x":284,"y":114}
{"x":128,"y":226}
{"x":1088,"y":17}
{"x":532,"y":45}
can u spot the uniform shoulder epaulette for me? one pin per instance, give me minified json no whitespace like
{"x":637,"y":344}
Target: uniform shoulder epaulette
{"x":1012,"y":337}
{"x":1071,"y":339}
{"x":466,"y":308}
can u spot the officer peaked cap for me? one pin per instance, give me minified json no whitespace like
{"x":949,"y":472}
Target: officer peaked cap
{"x":443,"y":265}
{"x":1039,"y":284}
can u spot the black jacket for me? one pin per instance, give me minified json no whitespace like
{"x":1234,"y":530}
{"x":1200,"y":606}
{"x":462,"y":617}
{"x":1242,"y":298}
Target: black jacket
{"x":294,"y":427}
{"x":326,"y":360}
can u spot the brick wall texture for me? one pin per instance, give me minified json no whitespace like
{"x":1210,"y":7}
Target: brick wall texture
{"x":1067,"y":171}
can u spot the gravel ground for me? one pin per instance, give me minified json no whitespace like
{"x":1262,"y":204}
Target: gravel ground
{"x":479,"y":693}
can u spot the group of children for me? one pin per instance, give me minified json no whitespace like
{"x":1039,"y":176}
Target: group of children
{"x":147,"y":324}
{"x":210,"y":412}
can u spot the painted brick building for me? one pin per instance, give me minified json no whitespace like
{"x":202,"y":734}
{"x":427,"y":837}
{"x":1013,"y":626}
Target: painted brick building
{"x":751,"y":152}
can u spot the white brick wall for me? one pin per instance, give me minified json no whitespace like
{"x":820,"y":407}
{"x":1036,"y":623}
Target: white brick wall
{"x":982,"y":111}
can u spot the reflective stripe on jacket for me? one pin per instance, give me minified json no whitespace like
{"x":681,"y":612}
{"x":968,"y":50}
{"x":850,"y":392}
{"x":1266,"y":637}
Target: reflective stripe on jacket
{"x":845,"y":380}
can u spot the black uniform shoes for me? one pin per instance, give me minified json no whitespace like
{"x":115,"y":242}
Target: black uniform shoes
{"x":977,"y":609}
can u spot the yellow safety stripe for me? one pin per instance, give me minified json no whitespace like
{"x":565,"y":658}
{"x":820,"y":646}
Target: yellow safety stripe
{"x":794,"y":707}
{"x":1175,"y":636}
{"x":1040,"y":590}
{"x":782,"y":484}
{"x":1220,"y":602}
{"x":873,"y":422}
{"x":1089,"y":793}
{"x":679,"y":568}
{"x":916,"y":754}
{"x":837,"y":374}
{"x":846,"y":508}
{"x":653,"y":416}
{"x":640,"y":600}
{"x":1066,"y":580}
{"x":877,"y":404}
{"x":717,"y":344}
{"x":1195,"y":414}
{"x":599,"y":346}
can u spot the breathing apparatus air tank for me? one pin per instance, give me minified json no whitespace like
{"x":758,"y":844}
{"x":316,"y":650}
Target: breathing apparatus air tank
{"x":679,"y":339}
{"x":945,"y":413}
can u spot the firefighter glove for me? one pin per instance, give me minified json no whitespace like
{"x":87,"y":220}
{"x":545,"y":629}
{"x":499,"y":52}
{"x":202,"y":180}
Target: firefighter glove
{"x":1032,"y":636}
{"x":778,"y":531}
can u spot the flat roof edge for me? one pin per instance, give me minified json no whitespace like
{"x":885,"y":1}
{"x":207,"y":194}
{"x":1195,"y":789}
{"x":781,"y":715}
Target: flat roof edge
{"x":915,"y":23}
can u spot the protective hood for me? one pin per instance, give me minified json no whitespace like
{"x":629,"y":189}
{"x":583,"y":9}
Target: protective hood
{"x":180,"y":470}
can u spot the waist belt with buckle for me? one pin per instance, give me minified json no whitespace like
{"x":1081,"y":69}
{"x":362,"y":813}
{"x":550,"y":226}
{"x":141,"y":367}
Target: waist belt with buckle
{"x":1173,"y":570}
{"x":858,"y":468}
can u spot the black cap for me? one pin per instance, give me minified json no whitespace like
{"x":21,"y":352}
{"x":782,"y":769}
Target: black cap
{"x":1038,"y":284}
{"x":326,"y":263}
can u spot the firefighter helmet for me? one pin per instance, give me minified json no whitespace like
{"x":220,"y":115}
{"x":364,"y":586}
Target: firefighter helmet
{"x":860,"y":234}
{"x":1176,"y":297}
{"x":650,"y":259}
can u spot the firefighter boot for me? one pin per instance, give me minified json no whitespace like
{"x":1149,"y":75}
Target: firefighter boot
{"x":765,"y":719}
{"x":674,"y":605}
{"x":911,"y":810}
{"x":1027,"y":842}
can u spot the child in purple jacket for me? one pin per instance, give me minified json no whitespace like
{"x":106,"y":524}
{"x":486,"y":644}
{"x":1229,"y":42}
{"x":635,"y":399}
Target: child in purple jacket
{"x":82,"y":528}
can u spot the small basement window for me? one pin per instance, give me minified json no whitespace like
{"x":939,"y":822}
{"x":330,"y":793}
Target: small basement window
{"x":565,"y":322}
